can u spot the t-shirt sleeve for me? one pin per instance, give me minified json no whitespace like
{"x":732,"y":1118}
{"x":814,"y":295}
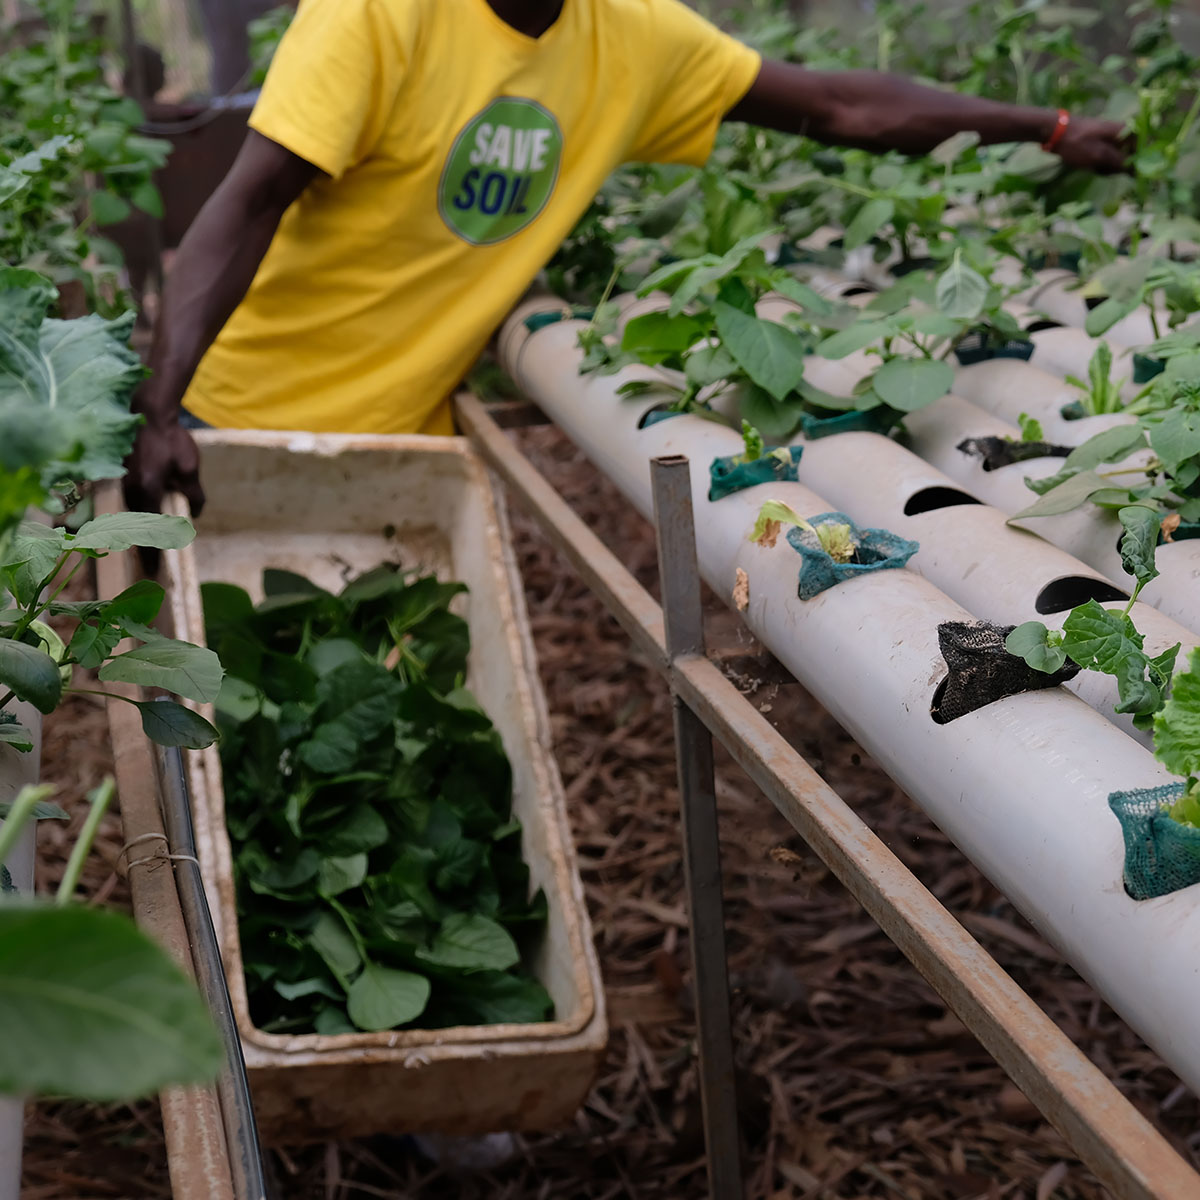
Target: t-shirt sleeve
{"x":702,"y":74}
{"x":332,"y":84}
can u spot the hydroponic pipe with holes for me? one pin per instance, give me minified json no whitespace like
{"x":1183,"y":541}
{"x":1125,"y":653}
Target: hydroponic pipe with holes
{"x":1021,"y":785}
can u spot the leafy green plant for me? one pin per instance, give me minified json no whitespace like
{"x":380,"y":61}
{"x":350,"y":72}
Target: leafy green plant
{"x":93,"y":1007}
{"x":1100,"y":639}
{"x":1031,"y":428}
{"x":368,"y":799}
{"x":1177,"y":738}
{"x":1099,"y":395}
{"x":71,"y":158}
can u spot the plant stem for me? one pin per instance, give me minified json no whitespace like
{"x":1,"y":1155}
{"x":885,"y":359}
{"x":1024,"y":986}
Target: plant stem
{"x":28,"y":798}
{"x":34,"y":613}
{"x":7,"y":699}
{"x":101,"y":798}
{"x":1137,"y":591}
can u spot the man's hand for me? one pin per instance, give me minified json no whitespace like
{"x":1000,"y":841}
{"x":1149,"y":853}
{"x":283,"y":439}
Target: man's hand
{"x":1093,"y":145}
{"x":164,"y":459}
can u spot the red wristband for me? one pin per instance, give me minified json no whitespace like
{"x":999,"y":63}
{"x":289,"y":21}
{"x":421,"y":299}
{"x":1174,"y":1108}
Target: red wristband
{"x":1060,"y":127}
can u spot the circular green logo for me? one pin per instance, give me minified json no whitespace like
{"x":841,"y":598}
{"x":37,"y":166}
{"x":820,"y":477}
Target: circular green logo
{"x":500,"y":171}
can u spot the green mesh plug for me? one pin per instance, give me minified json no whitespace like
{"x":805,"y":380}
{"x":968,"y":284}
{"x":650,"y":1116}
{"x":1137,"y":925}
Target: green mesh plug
{"x":727,"y":475}
{"x":1161,"y":855}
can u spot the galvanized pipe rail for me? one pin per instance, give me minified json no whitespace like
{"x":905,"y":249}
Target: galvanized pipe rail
{"x":1118,"y":1144}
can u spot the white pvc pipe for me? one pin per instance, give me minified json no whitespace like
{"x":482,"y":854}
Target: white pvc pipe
{"x":1056,"y":294}
{"x":992,"y":569}
{"x":17,"y":771}
{"x":1008,"y":387}
{"x":1021,"y":786}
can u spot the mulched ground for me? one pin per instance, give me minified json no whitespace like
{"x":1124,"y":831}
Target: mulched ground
{"x":855,"y":1082}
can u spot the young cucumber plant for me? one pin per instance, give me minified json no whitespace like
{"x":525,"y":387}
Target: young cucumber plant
{"x":93,"y":1008}
{"x":835,"y":538}
{"x":1100,"y":639}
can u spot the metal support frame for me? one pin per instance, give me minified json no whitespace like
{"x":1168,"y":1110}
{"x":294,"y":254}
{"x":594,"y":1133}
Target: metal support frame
{"x":683,"y":615}
{"x":1124,"y":1150}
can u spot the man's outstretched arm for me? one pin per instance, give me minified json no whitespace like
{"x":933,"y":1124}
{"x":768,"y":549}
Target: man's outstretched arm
{"x":213,"y":269}
{"x":873,"y":111}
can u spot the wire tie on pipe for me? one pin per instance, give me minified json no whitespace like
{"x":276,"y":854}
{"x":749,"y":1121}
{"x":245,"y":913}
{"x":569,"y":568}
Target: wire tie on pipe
{"x":159,"y":856}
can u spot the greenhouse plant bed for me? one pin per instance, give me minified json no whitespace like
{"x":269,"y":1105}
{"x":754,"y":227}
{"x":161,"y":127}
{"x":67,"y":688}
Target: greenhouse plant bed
{"x":330,"y":507}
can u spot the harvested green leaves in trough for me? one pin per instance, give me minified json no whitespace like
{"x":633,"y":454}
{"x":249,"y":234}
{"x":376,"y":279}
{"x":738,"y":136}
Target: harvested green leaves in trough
{"x":368,"y":799}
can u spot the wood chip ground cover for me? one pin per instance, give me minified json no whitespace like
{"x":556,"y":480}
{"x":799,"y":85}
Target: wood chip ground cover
{"x":856,"y":1081}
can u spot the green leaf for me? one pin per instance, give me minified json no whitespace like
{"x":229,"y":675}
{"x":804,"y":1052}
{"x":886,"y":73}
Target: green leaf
{"x":1140,"y":540}
{"x":1106,"y":314}
{"x":108,"y":208}
{"x":43,"y":810}
{"x":908,"y":384}
{"x":495,"y":998}
{"x":92,"y":644}
{"x":470,"y":942}
{"x":13,"y":733}
{"x":146,"y":197}
{"x":1099,"y":640}
{"x":858,"y":336}
{"x":771,"y":355}
{"x":1067,"y":496}
{"x":961,"y":291}
{"x":1031,"y":642}
{"x":93,"y":1008}
{"x":167,"y":723}
{"x":868,"y":221}
{"x":1177,"y":727}
{"x":657,"y":336}
{"x":189,"y":671}
{"x":1110,"y":446}
{"x":31,"y":674}
{"x":382,"y":998}
{"x":363,"y":829}
{"x":64,"y":390}
{"x":706,"y":365}
{"x":330,"y":939}
{"x":771,"y":418}
{"x":124,"y":530}
{"x":338,"y":875}
{"x":947,"y":153}
{"x":140,"y":602}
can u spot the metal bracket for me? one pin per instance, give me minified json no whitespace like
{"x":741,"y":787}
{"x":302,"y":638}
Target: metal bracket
{"x":683,"y":622}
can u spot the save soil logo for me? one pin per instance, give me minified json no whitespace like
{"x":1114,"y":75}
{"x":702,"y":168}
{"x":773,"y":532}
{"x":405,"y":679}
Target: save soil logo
{"x":500,"y":171}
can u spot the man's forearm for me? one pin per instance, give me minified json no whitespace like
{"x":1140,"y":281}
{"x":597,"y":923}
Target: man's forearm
{"x":873,"y":111}
{"x":885,"y":112}
{"x":213,"y":269}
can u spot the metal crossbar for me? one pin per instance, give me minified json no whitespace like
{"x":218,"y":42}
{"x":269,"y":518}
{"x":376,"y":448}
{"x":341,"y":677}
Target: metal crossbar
{"x":1125,"y":1152}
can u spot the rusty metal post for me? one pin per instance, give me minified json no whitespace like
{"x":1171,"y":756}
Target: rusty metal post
{"x":683,"y":620}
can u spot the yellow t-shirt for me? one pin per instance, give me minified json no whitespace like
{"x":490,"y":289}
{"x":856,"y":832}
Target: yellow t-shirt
{"x":459,"y":154}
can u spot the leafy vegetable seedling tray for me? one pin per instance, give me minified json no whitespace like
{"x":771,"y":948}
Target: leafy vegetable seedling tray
{"x":329,"y":507}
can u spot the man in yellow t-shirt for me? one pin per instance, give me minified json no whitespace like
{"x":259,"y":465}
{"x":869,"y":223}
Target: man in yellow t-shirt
{"x":412,"y":165}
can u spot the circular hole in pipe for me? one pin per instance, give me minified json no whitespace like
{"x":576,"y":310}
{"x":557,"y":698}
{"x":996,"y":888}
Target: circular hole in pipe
{"x":1070,"y":591}
{"x":932,"y":498}
{"x":935,"y":705}
{"x":1039,"y":326}
{"x":861,"y":290}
